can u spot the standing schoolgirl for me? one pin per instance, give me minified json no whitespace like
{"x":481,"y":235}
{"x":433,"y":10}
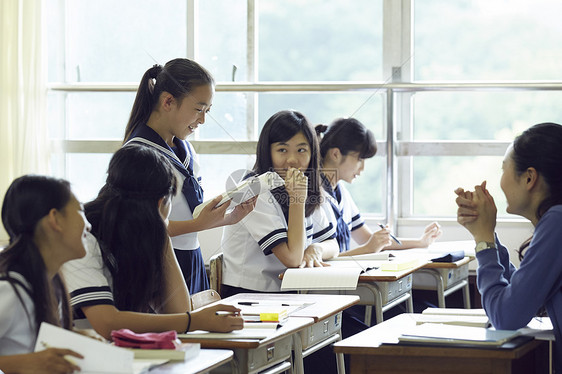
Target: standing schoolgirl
{"x":171,"y":103}
{"x":47,"y":227}
{"x":532,"y":184}
{"x":129,"y":277}
{"x":285,"y":229}
{"x":344,"y":146}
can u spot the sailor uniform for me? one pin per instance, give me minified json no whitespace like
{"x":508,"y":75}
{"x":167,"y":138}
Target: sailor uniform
{"x":249,"y":262}
{"x":184,"y":159}
{"x":342,"y":212}
{"x":17,"y":320}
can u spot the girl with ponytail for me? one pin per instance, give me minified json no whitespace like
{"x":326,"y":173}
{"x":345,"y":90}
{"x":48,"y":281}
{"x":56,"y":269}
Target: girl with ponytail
{"x":172,"y":102}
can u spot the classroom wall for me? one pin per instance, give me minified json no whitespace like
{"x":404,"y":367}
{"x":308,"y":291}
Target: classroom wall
{"x":511,"y":234}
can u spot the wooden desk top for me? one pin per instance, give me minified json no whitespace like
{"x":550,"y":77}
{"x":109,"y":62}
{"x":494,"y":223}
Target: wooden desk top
{"x":323,"y":306}
{"x":206,"y":360}
{"x":290,"y":327}
{"x":370,"y":342}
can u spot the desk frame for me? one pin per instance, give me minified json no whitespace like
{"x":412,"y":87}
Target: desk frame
{"x":442,"y":292}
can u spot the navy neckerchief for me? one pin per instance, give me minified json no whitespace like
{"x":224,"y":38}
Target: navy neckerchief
{"x":191,"y":188}
{"x":343,"y":235}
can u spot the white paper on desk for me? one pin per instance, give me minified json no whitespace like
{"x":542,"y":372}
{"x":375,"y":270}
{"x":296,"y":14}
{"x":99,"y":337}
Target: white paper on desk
{"x":251,"y":333}
{"x":379,"y":256}
{"x":321,"y":278}
{"x":99,"y":357}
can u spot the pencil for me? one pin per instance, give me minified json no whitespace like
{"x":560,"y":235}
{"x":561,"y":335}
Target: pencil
{"x":392,"y":236}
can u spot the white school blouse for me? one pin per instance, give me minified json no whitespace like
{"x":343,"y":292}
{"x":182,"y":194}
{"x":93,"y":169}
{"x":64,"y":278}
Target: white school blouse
{"x":351,"y":215}
{"x":248,"y":260}
{"x":17,"y":320}
{"x":180,"y":208}
{"x":89,"y":281}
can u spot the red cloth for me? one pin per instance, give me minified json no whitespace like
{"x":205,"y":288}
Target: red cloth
{"x":150,"y":340}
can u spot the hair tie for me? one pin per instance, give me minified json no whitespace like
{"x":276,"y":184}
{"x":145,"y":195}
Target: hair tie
{"x":154,"y":71}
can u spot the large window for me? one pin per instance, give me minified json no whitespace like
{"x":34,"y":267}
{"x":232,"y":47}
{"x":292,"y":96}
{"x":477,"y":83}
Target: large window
{"x":437,"y":82}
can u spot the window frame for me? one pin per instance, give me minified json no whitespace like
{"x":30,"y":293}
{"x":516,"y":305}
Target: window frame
{"x":397,"y":147}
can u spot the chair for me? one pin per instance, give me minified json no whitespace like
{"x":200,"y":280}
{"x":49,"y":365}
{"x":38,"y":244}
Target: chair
{"x":200,"y":299}
{"x":215,"y":270}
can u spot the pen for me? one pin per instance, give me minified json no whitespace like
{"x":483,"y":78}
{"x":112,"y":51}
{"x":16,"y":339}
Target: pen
{"x":225,"y":313}
{"x":250,"y":303}
{"x":392,"y":236}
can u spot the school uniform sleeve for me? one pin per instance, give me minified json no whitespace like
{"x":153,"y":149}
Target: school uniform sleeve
{"x":266,"y":223}
{"x":86,"y":278}
{"x":351,"y":209}
{"x":17,"y":318}
{"x":512,"y":298}
{"x":322,"y":227}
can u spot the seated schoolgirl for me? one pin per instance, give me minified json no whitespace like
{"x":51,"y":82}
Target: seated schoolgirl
{"x":532,"y":184}
{"x":130,"y":277}
{"x":344,"y":147}
{"x":47,"y":227}
{"x":286,"y":229}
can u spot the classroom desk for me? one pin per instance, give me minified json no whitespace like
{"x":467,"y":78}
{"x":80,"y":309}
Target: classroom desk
{"x":326,"y":312}
{"x":204,"y":362}
{"x":272,"y":353}
{"x":447,"y":277}
{"x":307,"y":330}
{"x":368,"y":354}
{"x":382,"y":289}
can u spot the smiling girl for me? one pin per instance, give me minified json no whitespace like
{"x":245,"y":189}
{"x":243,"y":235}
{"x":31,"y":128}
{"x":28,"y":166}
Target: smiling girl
{"x":532,"y":184}
{"x":47,"y":228}
{"x":286,"y":228}
{"x":344,"y":147}
{"x":171,"y":103}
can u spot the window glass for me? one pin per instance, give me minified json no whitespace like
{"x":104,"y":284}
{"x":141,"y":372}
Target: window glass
{"x":117,"y":41}
{"x":325,"y":107}
{"x":227,"y":119}
{"x":98,"y":115}
{"x":320,"y":40}
{"x":368,"y":190}
{"x":487,"y":40}
{"x":87,"y":173}
{"x":494,"y":115}
{"x":215,"y":171}
{"x":222,"y":45}
{"x":436,"y":177}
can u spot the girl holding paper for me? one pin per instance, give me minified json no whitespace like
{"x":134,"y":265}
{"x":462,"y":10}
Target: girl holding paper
{"x":130,"y":277}
{"x":171,"y":103}
{"x":47,"y":227}
{"x":344,"y":147}
{"x":532,"y":184}
{"x":286,"y":228}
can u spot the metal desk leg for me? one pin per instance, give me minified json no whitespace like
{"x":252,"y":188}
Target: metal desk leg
{"x":340,"y":361}
{"x":298,"y":363}
{"x":466,"y":295}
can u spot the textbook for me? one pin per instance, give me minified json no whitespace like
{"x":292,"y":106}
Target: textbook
{"x":399,"y":264}
{"x":267,"y":313}
{"x":437,"y":333}
{"x":247,"y":189}
{"x":379,"y":256}
{"x":321,"y":278}
{"x":99,"y":357}
{"x":454,"y":316}
{"x":185,"y":352}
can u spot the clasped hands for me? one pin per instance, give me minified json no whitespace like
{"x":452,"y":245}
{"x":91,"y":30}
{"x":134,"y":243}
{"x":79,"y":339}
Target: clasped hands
{"x":477,"y":212}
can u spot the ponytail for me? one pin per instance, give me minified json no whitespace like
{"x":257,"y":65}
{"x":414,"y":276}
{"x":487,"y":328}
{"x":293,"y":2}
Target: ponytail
{"x":178,"y":77}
